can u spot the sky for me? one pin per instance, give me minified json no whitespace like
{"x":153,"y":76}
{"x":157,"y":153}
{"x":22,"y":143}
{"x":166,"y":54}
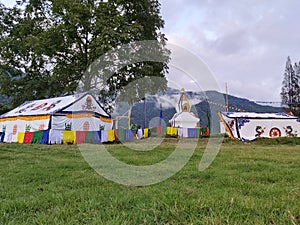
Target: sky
{"x":244,"y":43}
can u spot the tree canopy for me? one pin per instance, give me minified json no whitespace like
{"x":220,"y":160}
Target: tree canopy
{"x":47,"y":47}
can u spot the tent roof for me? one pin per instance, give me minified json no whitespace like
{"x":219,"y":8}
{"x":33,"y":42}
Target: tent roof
{"x":51,"y":106}
{"x":254,"y":115}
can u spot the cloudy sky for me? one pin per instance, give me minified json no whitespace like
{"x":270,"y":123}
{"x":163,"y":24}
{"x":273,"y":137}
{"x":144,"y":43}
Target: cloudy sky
{"x":245,"y":43}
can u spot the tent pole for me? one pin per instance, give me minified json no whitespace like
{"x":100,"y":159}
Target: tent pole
{"x":226,"y":98}
{"x":145,"y":114}
{"x":129,"y":115}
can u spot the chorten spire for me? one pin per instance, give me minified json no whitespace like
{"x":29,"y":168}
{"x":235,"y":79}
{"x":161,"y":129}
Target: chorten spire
{"x":184,"y":104}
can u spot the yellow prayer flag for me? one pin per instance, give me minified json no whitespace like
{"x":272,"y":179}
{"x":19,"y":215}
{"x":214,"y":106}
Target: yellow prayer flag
{"x":20,"y":137}
{"x":146,"y":132}
{"x":69,"y":136}
{"x":111,"y":135}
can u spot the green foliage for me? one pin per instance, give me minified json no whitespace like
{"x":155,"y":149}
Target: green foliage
{"x":279,"y":141}
{"x":248,"y":183}
{"x":290,"y":92}
{"x":47,"y":47}
{"x":4,"y":108}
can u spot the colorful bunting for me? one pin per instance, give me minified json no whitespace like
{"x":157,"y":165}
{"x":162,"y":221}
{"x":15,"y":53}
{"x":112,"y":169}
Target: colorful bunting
{"x":37,"y":137}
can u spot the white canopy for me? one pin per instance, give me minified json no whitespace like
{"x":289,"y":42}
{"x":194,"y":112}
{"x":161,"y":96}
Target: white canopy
{"x":248,"y":126}
{"x":72,"y":103}
{"x":254,"y":115}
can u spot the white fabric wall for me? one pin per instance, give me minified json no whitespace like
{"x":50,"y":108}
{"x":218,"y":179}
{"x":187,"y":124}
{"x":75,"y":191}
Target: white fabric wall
{"x":19,"y":125}
{"x":58,"y":122}
{"x":269,"y":128}
{"x":252,"y":128}
{"x":34,"y":125}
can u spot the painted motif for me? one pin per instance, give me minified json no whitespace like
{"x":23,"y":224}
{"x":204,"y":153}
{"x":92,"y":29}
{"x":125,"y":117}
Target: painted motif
{"x":25,"y":109}
{"x":39,"y":106}
{"x":27,"y":128}
{"x":259,"y":131}
{"x":52,"y":105}
{"x":231,"y":125}
{"x":42,"y":127}
{"x":86,"y":126}
{"x":15,"y":129}
{"x":68,"y":126}
{"x":282,"y":114}
{"x":289,"y":131}
{"x":241,"y":122}
{"x":88,"y":105}
{"x":275,"y":132}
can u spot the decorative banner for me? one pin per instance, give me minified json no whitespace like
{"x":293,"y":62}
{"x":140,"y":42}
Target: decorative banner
{"x":37,"y":137}
{"x":249,"y":126}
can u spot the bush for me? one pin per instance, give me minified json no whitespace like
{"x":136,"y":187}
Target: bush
{"x":278,"y":141}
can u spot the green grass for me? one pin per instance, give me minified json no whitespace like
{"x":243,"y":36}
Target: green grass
{"x":248,"y":183}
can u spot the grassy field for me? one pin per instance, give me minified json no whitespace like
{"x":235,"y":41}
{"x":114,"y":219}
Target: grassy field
{"x":248,"y":183}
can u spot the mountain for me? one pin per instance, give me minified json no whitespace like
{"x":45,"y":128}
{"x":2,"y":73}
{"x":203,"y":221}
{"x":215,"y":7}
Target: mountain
{"x":206,"y":106}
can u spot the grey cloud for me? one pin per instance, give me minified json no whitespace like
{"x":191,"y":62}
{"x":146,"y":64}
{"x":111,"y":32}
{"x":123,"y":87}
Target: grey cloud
{"x":232,"y":43}
{"x":252,"y":39}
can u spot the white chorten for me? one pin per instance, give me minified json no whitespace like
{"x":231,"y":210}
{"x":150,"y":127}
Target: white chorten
{"x":184,"y":117}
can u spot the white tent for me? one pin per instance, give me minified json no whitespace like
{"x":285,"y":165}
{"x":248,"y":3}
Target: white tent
{"x":247,"y":126}
{"x":79,"y":112}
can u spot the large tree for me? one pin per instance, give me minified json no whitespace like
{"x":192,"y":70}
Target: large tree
{"x":291,"y":88}
{"x":297,"y":74}
{"x":47,"y":47}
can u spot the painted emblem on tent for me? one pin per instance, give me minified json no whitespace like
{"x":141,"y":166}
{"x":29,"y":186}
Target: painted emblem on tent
{"x":288,"y":130}
{"x":22,"y":110}
{"x":88,"y":105}
{"x":231,"y":125}
{"x":3,"y":128}
{"x":241,"y":122}
{"x":52,"y":105}
{"x":27,"y":128}
{"x":68,"y":126}
{"x":86,"y":126}
{"x":259,"y":131}
{"x":15,"y":129}
{"x":25,"y":109}
{"x":275,"y":132}
{"x":42,"y":127}
{"x":283,"y":114}
{"x":228,"y":113}
{"x":39,"y":106}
